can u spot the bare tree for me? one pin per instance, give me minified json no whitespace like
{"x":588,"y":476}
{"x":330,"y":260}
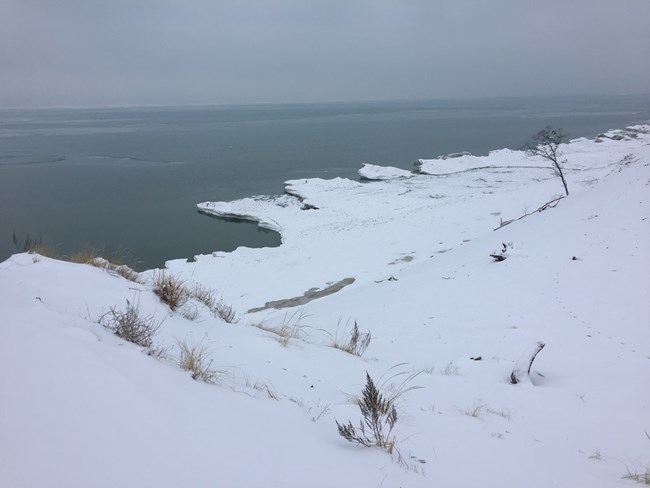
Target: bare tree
{"x":546,"y":144}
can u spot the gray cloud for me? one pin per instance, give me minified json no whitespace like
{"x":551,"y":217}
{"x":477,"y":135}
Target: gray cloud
{"x":140,"y":52}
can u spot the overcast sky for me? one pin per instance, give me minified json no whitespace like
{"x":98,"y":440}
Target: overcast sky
{"x":168,"y":52}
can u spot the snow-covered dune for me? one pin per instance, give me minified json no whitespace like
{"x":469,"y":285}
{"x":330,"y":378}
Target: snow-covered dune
{"x":408,"y":260}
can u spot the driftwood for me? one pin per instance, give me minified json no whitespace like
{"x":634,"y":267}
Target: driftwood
{"x":552,"y":204}
{"x":521,"y":371}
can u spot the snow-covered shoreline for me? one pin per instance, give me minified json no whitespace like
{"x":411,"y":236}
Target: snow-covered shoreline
{"x":82,"y":407}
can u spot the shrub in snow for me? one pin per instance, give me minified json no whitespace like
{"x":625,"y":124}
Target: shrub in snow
{"x":130,"y":325}
{"x":170,"y":289}
{"x":379,"y":416}
{"x":379,"y":419}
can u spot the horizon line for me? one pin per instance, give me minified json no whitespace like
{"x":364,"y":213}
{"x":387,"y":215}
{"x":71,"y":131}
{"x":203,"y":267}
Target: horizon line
{"x":298,"y":103}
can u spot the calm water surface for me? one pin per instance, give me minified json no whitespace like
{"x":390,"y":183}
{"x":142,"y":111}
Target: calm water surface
{"x":131,"y":177}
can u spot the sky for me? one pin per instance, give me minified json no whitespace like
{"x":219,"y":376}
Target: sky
{"x":176,"y":52}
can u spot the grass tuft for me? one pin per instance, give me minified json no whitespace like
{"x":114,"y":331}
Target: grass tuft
{"x":291,"y":328}
{"x":194,"y":357}
{"x":84,"y":255}
{"x":203,"y":294}
{"x":355,"y":343}
{"x":475,"y":411}
{"x":225,"y":312}
{"x":170,"y":289}
{"x":32,"y":245}
{"x":450,"y":370}
{"x":265,"y":388}
{"x":642,"y":477}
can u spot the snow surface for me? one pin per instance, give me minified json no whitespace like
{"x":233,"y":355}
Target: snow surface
{"x":81,"y":407}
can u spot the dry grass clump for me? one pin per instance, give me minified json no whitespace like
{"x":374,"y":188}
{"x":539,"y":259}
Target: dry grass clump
{"x":478,"y":409}
{"x":642,"y":477}
{"x":208,"y":297}
{"x":596,"y":455}
{"x":32,"y":245}
{"x":130,"y":325}
{"x":195,"y":358}
{"x":290,"y":328}
{"x":355,"y":343}
{"x":504,"y":413}
{"x":428,"y":369}
{"x":265,"y":388}
{"x":203,"y":294}
{"x":475,"y":410}
{"x":170,"y":289}
{"x":84,"y":255}
{"x":379,"y":414}
{"x":450,"y":370}
{"x":225,"y":311}
{"x":189,"y":313}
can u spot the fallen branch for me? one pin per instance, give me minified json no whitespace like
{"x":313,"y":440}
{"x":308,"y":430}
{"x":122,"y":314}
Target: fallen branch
{"x":552,"y":204}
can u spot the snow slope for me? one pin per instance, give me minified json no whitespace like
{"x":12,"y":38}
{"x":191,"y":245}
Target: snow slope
{"x":81,"y":407}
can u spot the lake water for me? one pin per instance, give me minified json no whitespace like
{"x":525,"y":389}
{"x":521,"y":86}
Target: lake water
{"x":131,"y":177}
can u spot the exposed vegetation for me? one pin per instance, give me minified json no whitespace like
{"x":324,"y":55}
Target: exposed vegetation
{"x":265,"y":388}
{"x":170,"y":289}
{"x":195,"y":358}
{"x":638,"y":476}
{"x":32,"y":245}
{"x":355,"y":343}
{"x":130,"y":325}
{"x":225,"y":311}
{"x":84,"y":255}
{"x":203,"y":294}
{"x":379,"y":415}
{"x":291,"y":328}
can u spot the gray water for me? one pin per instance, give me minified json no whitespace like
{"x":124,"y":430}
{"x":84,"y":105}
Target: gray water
{"x":131,"y":177}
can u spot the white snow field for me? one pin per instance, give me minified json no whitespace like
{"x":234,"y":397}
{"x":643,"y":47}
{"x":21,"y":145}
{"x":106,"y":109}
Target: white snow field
{"x":407,"y":259}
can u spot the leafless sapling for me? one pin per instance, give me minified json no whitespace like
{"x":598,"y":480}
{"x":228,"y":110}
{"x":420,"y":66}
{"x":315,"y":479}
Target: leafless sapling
{"x":546,"y":144}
